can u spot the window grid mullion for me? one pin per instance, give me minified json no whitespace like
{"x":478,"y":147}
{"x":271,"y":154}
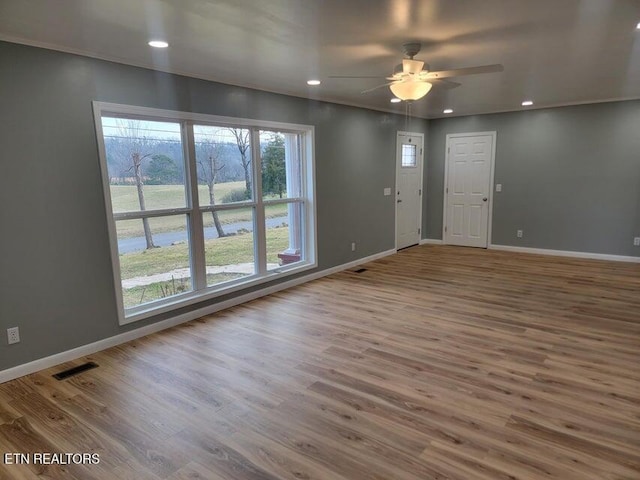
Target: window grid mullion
{"x":259,"y":226}
{"x":304,"y":214}
{"x":196,"y":228}
{"x":227,"y":206}
{"x":280,"y":201}
{"x":150,"y":214}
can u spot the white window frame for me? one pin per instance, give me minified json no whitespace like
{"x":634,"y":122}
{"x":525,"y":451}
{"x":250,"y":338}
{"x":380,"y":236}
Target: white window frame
{"x":193,"y":210}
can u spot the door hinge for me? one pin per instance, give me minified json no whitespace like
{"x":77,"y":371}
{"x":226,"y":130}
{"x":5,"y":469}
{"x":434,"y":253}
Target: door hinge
{"x":420,"y":191}
{"x":418,"y":231}
{"x":447,"y":189}
{"x":445,"y":229}
{"x":448,"y":149}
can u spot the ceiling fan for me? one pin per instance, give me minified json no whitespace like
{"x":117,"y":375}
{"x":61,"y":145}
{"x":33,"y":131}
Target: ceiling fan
{"x":412,"y":79}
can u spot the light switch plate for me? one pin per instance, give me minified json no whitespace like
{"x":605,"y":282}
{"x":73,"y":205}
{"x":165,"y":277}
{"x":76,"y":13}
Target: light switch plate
{"x":387,"y":191}
{"x":498,"y":187}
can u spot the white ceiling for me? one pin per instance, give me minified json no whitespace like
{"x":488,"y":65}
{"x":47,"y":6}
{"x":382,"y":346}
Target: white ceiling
{"x":555,"y":52}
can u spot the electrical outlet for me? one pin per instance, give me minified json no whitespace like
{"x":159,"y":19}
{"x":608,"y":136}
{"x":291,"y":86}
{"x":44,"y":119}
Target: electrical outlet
{"x":13,"y":335}
{"x":520,"y":234}
{"x":353,"y":246}
{"x":636,"y":242}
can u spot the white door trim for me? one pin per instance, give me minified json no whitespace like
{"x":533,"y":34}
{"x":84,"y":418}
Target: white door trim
{"x":451,"y":136}
{"x":395,"y":191}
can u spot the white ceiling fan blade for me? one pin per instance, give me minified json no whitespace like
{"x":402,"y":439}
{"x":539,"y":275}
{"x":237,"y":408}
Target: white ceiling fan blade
{"x":459,"y":72}
{"x":377,"y":87}
{"x":357,"y":76}
{"x":442,"y":83}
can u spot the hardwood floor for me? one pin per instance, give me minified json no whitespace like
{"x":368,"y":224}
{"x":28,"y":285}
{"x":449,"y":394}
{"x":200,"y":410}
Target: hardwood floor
{"x":436,"y":363}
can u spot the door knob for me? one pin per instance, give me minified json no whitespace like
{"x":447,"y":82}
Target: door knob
{"x":484,"y":199}
{"x":399,"y":201}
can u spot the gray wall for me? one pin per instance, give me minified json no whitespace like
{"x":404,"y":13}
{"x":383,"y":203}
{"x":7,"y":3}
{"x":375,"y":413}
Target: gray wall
{"x":570,"y":176}
{"x":55,"y":268}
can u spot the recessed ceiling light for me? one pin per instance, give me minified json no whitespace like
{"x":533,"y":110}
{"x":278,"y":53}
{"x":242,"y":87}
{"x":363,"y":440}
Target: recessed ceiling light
{"x":527,"y":103}
{"x":395,"y":100}
{"x":447,"y":110}
{"x":158,"y":44}
{"x":638,"y":26}
{"x":313,"y":82}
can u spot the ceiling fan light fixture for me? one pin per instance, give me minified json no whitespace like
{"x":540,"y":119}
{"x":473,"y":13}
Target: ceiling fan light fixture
{"x":395,"y":100}
{"x":410,"y":90}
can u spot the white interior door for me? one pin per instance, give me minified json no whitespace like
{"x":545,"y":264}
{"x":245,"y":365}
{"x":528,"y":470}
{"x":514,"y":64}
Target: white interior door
{"x":468,"y":189}
{"x":409,"y":158}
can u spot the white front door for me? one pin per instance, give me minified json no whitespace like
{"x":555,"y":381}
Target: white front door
{"x":409,"y":189}
{"x":468,"y":189}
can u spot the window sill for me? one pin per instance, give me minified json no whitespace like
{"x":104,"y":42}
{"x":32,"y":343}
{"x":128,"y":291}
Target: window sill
{"x":184,"y":300}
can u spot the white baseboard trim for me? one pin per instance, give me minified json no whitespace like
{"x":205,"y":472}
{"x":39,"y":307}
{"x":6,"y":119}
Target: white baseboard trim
{"x":431,"y":241}
{"x":566,"y":253}
{"x":58,"y":358}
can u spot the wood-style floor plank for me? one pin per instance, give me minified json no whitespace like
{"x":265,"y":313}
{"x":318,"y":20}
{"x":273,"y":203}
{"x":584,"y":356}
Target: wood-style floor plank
{"x":435,"y":363}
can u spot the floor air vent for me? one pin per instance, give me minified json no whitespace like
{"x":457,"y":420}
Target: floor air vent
{"x":75,"y":370}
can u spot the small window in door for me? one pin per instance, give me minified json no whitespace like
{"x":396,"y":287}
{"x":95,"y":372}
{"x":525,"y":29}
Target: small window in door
{"x":408,"y":156}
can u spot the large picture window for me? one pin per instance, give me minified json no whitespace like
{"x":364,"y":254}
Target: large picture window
{"x":201,"y":205}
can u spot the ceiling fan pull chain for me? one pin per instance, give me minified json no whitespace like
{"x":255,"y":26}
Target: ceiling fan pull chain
{"x":406,"y":116}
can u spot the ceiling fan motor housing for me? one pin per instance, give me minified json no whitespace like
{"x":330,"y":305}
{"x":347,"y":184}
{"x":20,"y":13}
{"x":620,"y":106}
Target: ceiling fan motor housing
{"x":411,"y":49}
